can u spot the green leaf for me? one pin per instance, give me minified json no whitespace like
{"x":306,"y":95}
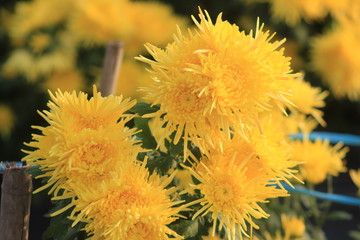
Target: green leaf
{"x":142,"y":108}
{"x":319,"y":235}
{"x":339,"y":215}
{"x":160,"y":163}
{"x":148,"y":140}
{"x":187,"y":228}
{"x":355,"y":235}
{"x":174,"y":149}
{"x":60,"y":226}
{"x":34,"y":171}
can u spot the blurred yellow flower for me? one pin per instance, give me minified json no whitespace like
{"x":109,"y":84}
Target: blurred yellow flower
{"x":68,"y":80}
{"x":339,"y":50}
{"x":159,"y":32}
{"x":84,"y":140}
{"x":20,"y":62}
{"x":132,"y":77}
{"x":292,"y":226}
{"x":292,"y":11}
{"x":35,"y":66}
{"x":32,"y":15}
{"x":318,"y":159}
{"x":134,"y":205}
{"x":293,"y":49}
{"x":216,"y":78}
{"x":101,"y":21}
{"x":39,"y":42}
{"x":355,"y":176}
{"x":7,"y":119}
{"x":297,"y":123}
{"x":307,"y":99}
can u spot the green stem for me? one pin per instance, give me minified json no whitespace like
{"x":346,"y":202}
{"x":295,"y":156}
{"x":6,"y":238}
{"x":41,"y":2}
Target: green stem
{"x":327,"y":204}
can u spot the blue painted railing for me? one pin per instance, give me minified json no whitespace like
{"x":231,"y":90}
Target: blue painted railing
{"x":3,"y":165}
{"x":338,"y":198}
{"x":346,"y":139}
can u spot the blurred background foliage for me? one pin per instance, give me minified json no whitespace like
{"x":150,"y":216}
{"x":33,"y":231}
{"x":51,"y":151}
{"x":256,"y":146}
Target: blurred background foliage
{"x":50,"y":44}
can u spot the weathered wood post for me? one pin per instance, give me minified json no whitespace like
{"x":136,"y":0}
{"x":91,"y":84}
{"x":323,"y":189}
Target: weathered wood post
{"x":16,"y":191}
{"x":111,"y":67}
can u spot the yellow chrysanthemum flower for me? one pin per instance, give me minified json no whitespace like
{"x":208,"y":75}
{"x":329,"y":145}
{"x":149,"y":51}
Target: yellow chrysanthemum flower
{"x":101,"y":21}
{"x":159,"y":32}
{"x":133,"y":205}
{"x":307,"y":99}
{"x":292,"y":11}
{"x":39,"y":42}
{"x":65,"y":80}
{"x":233,"y":180}
{"x":355,"y":176}
{"x":297,"y":123}
{"x":339,"y":50}
{"x":132,"y":76}
{"x":293,"y":226}
{"x":37,"y":14}
{"x":318,"y":159}
{"x":216,"y":78}
{"x":85,"y":139}
{"x":6,"y":120}
{"x":34,"y":66}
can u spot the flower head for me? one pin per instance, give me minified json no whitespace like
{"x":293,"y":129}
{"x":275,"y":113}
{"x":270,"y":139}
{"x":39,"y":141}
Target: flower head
{"x":37,"y":14}
{"x":216,"y":78}
{"x":132,"y":76}
{"x":100,"y":21}
{"x":292,"y":11}
{"x":39,"y":42}
{"x":67,"y":80}
{"x":34,"y":66}
{"x":159,"y":32}
{"x":355,"y":177}
{"x":307,"y":99}
{"x":293,"y":226}
{"x":85,"y":139}
{"x":134,"y":206}
{"x":233,"y":180}
{"x":338,"y":50}
{"x":318,"y":159}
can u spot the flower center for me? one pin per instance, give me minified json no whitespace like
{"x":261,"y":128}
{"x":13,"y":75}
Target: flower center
{"x":141,"y":231}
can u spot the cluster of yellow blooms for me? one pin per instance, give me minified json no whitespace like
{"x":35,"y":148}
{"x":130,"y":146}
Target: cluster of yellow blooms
{"x":47,"y":35}
{"x":338,"y":48}
{"x":89,"y":156}
{"x":231,"y":94}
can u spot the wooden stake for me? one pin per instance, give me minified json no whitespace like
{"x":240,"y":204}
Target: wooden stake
{"x":111,"y":67}
{"x":15,"y":203}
